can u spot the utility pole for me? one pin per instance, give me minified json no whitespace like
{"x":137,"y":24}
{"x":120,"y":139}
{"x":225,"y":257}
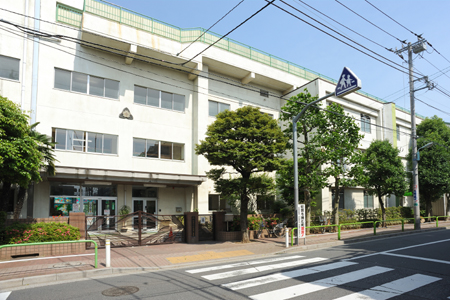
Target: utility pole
{"x":416,"y":47}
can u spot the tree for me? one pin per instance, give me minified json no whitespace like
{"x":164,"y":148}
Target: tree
{"x":247,"y":141}
{"x":311,"y":156}
{"x":434,"y":164}
{"x":20,"y":159}
{"x":45,"y":147}
{"x":384,"y":171}
{"x":341,"y":140}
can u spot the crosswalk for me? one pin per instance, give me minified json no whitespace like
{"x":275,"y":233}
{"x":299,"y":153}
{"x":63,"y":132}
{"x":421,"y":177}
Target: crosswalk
{"x":311,"y":276}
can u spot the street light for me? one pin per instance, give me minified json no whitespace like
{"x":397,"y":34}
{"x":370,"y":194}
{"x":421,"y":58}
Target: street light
{"x":424,"y":147}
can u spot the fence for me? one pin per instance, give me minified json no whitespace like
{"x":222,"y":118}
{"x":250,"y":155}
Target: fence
{"x":374,"y":224}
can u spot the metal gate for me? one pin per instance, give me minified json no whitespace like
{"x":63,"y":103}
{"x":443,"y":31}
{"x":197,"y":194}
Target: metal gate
{"x":205,"y":227}
{"x":135,"y":229}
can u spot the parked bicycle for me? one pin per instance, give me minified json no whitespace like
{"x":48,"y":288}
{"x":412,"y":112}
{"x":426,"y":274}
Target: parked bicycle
{"x":278,"y":230}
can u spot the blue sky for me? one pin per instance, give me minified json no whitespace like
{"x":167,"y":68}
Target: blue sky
{"x":282,"y":35}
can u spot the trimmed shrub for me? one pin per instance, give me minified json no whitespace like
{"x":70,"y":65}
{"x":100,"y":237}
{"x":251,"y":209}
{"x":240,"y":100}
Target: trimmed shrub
{"x":20,"y":233}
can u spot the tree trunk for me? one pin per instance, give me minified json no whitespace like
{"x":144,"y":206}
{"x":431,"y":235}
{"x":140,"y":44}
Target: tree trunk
{"x":428,"y":209}
{"x":5,"y":196}
{"x":383,"y":210}
{"x":243,"y":218}
{"x":335,"y":212}
{"x":21,"y":197}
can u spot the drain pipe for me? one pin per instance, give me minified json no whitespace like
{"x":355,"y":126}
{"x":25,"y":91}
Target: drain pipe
{"x":24,"y":58}
{"x":34,"y":82}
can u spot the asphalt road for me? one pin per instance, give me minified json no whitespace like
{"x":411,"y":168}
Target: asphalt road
{"x":406,"y":267}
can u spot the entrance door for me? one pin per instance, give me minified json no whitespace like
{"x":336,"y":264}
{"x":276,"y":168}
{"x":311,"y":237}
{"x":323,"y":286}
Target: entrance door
{"x":99,"y":206}
{"x":148,"y":206}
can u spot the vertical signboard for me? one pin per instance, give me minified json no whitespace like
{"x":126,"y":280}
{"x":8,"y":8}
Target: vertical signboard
{"x":301,"y":221}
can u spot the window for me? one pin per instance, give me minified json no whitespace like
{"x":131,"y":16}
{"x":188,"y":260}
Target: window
{"x":264,"y":93}
{"x":264,"y":202}
{"x":217,"y":107}
{"x":76,"y":140}
{"x":398,"y":133}
{"x":157,"y":98}
{"x":341,"y":198}
{"x":9,"y":67}
{"x":368,"y":200}
{"x":144,"y":192}
{"x":86,"y":84}
{"x":158,"y":149}
{"x":215,"y":203}
{"x":365,"y":123}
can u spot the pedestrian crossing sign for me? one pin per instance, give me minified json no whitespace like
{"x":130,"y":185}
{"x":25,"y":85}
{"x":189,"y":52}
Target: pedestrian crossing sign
{"x":348,"y":82}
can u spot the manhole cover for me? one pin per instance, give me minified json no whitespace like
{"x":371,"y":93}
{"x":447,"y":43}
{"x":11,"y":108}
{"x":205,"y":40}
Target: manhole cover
{"x":120,"y":291}
{"x":68,"y":264}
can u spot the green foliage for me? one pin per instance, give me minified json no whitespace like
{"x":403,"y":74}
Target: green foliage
{"x":434,"y":167}
{"x":20,"y":233}
{"x":254,"y":223}
{"x":383,"y":170}
{"x":249,"y":142}
{"x":124,"y":210}
{"x":281,"y":207}
{"x":20,"y":159}
{"x":341,"y":138}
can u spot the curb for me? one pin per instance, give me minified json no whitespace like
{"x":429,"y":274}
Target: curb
{"x":61,"y":277}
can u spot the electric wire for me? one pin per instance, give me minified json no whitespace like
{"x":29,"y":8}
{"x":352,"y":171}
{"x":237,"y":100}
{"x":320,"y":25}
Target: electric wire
{"x":352,"y":46}
{"x":417,"y":35}
{"x":348,"y":28}
{"x":403,"y":42}
{"x":223,"y":36}
{"x":162,"y":82}
{"x":447,"y":113}
{"x":207,"y":30}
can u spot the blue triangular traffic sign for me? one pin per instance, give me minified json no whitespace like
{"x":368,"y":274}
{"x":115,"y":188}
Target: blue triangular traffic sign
{"x":348,"y":82}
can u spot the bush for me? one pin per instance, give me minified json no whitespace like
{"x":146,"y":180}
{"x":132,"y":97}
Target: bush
{"x":254,"y":223}
{"x":20,"y":233}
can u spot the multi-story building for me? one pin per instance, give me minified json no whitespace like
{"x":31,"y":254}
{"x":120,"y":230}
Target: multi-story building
{"x":127,"y":111}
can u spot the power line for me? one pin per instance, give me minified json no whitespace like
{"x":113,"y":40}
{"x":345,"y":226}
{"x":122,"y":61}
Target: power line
{"x":297,"y":17}
{"x":261,"y":9}
{"x":432,"y":106}
{"x":200,"y":36}
{"x":162,"y":82}
{"x":417,"y":35}
{"x":348,"y":28}
{"x":403,"y":42}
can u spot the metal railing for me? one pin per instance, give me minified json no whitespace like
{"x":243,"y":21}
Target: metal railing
{"x":374,"y":224}
{"x":61,"y":242}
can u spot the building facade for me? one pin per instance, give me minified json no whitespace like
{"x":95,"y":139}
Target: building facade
{"x":126,"y":110}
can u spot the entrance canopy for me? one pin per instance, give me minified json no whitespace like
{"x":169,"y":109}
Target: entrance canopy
{"x":125,"y":177}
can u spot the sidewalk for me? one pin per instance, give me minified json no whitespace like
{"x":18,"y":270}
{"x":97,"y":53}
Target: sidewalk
{"x":147,"y":258}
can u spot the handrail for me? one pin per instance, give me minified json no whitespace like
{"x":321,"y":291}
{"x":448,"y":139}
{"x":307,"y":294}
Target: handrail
{"x":437,"y":223}
{"x":60,"y":242}
{"x":345,"y":224}
{"x":381,"y":221}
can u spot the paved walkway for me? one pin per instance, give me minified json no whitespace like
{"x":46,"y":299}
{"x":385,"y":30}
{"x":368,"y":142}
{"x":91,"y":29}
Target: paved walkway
{"x":135,"y":259}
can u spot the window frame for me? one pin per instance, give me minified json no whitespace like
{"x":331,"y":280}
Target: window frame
{"x":366,"y":123}
{"x":160,"y":100}
{"x":221,"y":206}
{"x":268,"y":200}
{"x":85,"y":140}
{"x":398,"y":132}
{"x":218,"y":107}
{"x":88,"y":84}
{"x":18,"y":69}
{"x":341,"y":198}
{"x":366,"y":200}
{"x":159,"y":143}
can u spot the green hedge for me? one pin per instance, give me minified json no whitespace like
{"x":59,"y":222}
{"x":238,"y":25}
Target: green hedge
{"x":20,"y":233}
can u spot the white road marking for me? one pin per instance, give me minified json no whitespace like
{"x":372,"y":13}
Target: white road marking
{"x":16,"y":260}
{"x":243,"y":264}
{"x":398,"y":249}
{"x":318,"y":285}
{"x":4,"y":296}
{"x":417,"y":257}
{"x":263,"y":268}
{"x":285,"y":275}
{"x":392,"y":289}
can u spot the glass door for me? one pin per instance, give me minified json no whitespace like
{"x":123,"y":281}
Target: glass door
{"x":148,"y":206}
{"x":108,"y":209}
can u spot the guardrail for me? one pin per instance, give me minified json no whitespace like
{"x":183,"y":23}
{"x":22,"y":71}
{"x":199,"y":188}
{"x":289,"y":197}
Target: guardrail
{"x":61,"y":242}
{"x":374,"y":223}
